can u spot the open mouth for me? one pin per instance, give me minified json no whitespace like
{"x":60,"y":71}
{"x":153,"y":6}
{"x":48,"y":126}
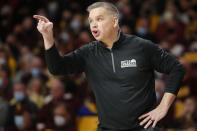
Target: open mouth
{"x":95,"y":33}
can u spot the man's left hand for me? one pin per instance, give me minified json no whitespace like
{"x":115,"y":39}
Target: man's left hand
{"x":153,"y":117}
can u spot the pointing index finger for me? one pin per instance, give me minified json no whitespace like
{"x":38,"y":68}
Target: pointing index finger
{"x":41,"y":18}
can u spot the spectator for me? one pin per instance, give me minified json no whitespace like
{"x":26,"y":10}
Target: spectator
{"x":188,"y":118}
{"x":36,"y":91}
{"x":62,"y":119}
{"x":36,"y":69}
{"x":23,"y":112}
{"x":4,"y":107}
{"x":23,"y":122}
{"x":55,"y":97}
{"x":5,"y":83}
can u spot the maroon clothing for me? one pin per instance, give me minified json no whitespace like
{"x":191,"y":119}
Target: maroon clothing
{"x":46,"y":113}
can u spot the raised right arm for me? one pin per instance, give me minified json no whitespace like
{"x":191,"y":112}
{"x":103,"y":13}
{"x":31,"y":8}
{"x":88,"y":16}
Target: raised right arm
{"x":59,"y":65}
{"x":45,"y":27}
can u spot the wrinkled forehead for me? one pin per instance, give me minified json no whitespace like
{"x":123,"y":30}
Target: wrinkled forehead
{"x":100,"y":11}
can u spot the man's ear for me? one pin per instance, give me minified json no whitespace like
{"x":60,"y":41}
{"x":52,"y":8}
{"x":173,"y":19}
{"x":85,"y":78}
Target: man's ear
{"x":116,"y":21}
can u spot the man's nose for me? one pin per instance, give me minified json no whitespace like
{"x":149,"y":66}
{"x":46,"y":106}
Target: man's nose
{"x":93,"y":24}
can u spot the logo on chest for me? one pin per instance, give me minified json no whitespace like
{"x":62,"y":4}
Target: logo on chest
{"x":128,"y":63}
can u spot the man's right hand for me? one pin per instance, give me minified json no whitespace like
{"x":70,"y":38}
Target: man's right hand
{"x":45,"y":27}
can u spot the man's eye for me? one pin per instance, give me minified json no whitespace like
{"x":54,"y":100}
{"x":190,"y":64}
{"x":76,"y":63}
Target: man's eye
{"x":99,"y":19}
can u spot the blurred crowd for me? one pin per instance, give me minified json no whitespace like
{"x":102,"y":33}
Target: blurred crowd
{"x":32,"y":99}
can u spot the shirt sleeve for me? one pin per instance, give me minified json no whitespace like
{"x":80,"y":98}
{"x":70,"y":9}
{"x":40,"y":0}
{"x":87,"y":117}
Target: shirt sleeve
{"x":72,"y":62}
{"x":164,"y":62}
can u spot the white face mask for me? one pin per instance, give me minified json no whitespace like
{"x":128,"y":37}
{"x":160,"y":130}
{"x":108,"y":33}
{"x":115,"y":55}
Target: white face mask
{"x":59,"y":120}
{"x":2,"y":61}
{"x":177,"y":50}
{"x":19,"y":96}
{"x":19,"y":121}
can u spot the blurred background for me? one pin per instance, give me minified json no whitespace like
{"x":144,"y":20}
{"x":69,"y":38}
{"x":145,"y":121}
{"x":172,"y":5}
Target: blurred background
{"x":32,"y":99}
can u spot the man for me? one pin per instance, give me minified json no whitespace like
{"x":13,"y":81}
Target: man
{"x":120,"y":70}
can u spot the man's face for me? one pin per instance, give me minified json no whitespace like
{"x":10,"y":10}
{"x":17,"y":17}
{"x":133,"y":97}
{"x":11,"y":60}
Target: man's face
{"x":102,"y":23}
{"x":19,"y":88}
{"x":56,"y":90}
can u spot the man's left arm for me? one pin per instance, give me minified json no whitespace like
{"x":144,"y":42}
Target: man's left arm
{"x":165,"y":63}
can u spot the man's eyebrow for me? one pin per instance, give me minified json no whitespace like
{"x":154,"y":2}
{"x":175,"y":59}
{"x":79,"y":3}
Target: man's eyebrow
{"x":96,"y":16}
{"x":99,"y":16}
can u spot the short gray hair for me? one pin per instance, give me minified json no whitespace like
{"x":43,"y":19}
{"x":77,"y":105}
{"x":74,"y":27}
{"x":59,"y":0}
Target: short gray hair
{"x":106,"y":5}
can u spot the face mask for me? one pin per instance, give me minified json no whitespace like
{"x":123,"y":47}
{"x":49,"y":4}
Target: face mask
{"x":40,"y":126}
{"x":1,"y":82}
{"x":142,"y":31}
{"x":75,"y":24}
{"x":2,"y":61}
{"x":177,"y":50}
{"x":59,"y":120}
{"x":19,"y":96}
{"x":35,"y":72}
{"x":168,"y":15}
{"x":53,"y":7}
{"x":64,"y":37}
{"x":19,"y":121}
